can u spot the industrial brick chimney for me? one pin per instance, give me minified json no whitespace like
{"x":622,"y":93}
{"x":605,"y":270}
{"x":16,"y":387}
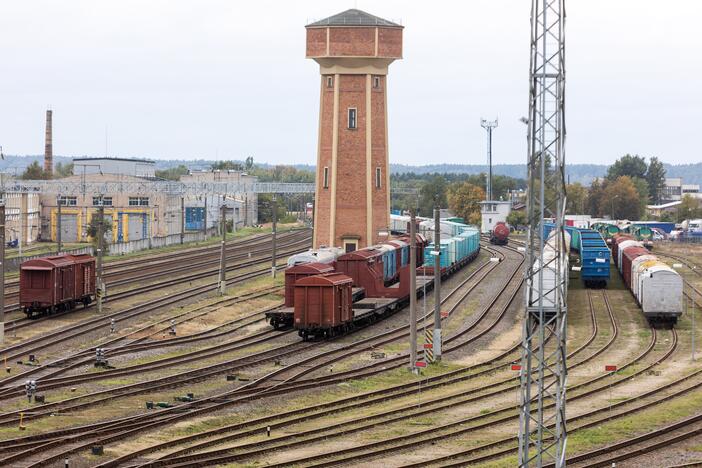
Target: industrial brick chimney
{"x":48,"y":146}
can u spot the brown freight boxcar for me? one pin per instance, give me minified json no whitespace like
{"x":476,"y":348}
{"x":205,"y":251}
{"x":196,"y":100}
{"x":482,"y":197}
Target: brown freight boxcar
{"x":297,"y":272}
{"x":58,"y":283}
{"x":323,"y":305}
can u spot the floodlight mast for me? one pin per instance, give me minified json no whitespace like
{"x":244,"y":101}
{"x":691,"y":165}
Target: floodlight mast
{"x":489,"y":125}
{"x":542,"y":430}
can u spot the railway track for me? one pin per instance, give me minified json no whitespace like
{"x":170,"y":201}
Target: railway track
{"x":40,"y":342}
{"x":125,"y":272}
{"x":170,"y":268}
{"x":410,"y":411}
{"x":217,"y":457}
{"x":171,"y":415}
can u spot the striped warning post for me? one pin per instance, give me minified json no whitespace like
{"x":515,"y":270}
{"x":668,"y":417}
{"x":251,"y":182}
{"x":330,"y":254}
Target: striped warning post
{"x":429,"y":345}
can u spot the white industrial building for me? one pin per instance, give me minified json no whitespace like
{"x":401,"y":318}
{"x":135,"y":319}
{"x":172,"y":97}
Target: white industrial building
{"x":122,"y":166}
{"x":493,"y":212}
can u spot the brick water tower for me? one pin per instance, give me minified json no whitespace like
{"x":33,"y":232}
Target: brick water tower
{"x":353,"y":50}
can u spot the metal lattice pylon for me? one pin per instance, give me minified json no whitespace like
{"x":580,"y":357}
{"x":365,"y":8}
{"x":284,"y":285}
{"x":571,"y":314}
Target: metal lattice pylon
{"x":542,"y":429}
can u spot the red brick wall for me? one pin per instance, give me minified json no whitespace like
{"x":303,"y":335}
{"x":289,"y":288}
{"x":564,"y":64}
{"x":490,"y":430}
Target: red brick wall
{"x":381,"y":210}
{"x":316,"y":42}
{"x":323,"y":195}
{"x":389,"y":42}
{"x":351,"y":160}
{"x":352,"y":41}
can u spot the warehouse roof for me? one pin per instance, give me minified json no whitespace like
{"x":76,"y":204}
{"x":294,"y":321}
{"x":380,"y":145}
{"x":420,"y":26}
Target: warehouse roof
{"x":354,"y":17}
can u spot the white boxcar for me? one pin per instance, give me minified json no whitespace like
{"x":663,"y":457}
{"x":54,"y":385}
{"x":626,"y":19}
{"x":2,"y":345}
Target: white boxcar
{"x":661,"y":292}
{"x":638,"y":266}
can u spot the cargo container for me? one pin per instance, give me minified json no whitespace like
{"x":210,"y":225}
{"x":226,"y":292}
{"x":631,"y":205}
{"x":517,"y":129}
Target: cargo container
{"x":661,"y":293}
{"x":323,"y":304}
{"x":58,"y":283}
{"x":297,"y":272}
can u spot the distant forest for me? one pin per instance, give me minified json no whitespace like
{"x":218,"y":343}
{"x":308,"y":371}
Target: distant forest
{"x":582,"y":173}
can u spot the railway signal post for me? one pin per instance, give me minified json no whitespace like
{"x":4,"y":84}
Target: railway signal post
{"x":222,"y":252}
{"x":437,"y":285}
{"x":413,"y":294}
{"x":100,"y":286}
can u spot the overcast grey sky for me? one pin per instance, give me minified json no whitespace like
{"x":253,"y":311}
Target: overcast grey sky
{"x":227,"y":79}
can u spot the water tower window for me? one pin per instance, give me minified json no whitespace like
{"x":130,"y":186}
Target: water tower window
{"x":378,"y":178}
{"x":376,"y":82}
{"x":325,"y":180}
{"x":352,"y":118}
{"x":330,"y":82}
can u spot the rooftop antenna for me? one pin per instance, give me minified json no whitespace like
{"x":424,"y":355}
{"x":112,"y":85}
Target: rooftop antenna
{"x":489,"y":125}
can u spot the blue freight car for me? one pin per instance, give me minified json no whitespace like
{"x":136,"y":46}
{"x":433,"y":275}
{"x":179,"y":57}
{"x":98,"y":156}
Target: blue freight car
{"x":594,"y":258}
{"x":593,"y":252}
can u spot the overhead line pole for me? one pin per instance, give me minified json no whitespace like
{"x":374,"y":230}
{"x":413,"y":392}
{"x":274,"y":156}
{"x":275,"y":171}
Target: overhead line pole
{"x":58,"y":223}
{"x":2,"y":267}
{"x":101,"y":247}
{"x":274,"y":206}
{"x":222,"y":252}
{"x":437,"y":285}
{"x":542,"y":430}
{"x":413,"y":293}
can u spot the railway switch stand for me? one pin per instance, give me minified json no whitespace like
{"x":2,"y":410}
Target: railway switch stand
{"x":112,"y":326}
{"x":173,"y":329}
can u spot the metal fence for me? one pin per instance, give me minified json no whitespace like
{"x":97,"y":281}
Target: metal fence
{"x":122,"y":248}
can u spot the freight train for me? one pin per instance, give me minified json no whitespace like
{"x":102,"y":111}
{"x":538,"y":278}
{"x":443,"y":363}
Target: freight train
{"x":657,"y":288}
{"x":592,"y":251}
{"x":56,"y":284}
{"x":366,"y":285}
{"x":499,"y":234}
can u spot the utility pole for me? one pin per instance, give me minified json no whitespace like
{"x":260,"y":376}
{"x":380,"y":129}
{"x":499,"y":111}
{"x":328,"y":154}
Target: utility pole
{"x":274,"y":206}
{"x":182,"y":220}
{"x":437,"y":285}
{"x":222,"y":252}
{"x":58,"y":223}
{"x":413,"y":294}
{"x":542,"y":430}
{"x":204,"y":219}
{"x":489,"y":125}
{"x":101,"y":245}
{"x":2,"y":267}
